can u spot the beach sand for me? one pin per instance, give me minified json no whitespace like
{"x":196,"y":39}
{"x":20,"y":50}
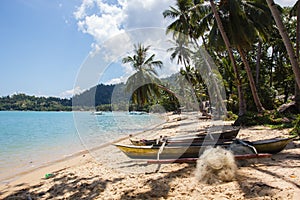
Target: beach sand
{"x":105,"y":173}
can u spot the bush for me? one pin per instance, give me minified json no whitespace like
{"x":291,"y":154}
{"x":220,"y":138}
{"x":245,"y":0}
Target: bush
{"x":296,"y":129}
{"x":266,"y":118}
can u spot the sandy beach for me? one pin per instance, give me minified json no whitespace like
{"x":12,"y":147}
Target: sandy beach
{"x":106,"y":173}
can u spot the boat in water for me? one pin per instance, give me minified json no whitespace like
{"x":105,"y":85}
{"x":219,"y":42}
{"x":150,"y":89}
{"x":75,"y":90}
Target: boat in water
{"x":97,"y":113}
{"x":137,"y":113}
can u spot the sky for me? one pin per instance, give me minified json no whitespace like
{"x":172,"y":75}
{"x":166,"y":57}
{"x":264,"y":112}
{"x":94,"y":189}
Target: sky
{"x":45,"y":44}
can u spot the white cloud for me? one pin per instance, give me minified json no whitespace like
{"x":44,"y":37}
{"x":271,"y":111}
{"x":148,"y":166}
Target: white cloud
{"x":81,"y":11}
{"x":146,"y":13}
{"x":116,"y":27}
{"x":121,"y":79}
{"x":284,"y":3}
{"x":103,"y":20}
{"x":71,"y":92}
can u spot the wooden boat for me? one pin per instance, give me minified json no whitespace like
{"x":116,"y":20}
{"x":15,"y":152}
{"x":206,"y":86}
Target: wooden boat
{"x":137,"y":113}
{"x":172,"y":151}
{"x":192,"y":151}
{"x":272,"y":146}
{"x":97,"y":113}
{"x":225,"y":134}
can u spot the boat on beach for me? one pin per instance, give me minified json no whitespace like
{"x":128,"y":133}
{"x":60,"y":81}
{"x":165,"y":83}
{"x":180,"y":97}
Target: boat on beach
{"x":170,"y":151}
{"x":228,"y":133}
{"x":272,"y":146}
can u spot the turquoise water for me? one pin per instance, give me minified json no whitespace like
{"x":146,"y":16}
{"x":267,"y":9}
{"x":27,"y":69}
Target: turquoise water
{"x":31,"y":139}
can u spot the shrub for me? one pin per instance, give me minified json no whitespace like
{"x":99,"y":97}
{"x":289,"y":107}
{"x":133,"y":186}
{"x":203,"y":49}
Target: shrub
{"x":296,"y":129}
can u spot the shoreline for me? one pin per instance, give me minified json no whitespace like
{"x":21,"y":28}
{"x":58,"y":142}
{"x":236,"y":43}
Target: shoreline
{"x":105,"y":177}
{"x":7,"y":179}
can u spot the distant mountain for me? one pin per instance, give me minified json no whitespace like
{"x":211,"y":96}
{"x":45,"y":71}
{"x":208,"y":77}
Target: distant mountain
{"x":95,"y":96}
{"x":99,"y":95}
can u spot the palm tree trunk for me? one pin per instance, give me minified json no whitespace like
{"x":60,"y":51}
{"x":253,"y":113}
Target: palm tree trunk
{"x":297,"y":89}
{"x":298,"y":31}
{"x":219,"y":96}
{"x":258,"y":63}
{"x":257,"y":102}
{"x":204,"y":43}
{"x":242,"y":103}
{"x":286,"y":40}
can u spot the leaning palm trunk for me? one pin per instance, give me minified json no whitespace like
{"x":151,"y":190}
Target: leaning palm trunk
{"x":220,"y":100}
{"x":297,"y":89}
{"x":242,"y":104}
{"x":259,"y":53}
{"x":257,"y":102}
{"x":286,"y":40}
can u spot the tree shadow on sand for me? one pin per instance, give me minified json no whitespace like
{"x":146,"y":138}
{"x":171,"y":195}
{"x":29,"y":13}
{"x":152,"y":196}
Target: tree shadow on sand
{"x":159,"y":187}
{"x":67,"y":186}
{"x":253,"y":187}
{"x":256,"y":187}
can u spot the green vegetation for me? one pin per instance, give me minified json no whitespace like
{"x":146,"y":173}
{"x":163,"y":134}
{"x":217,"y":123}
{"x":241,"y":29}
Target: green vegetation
{"x":296,"y":129}
{"x":32,"y":103}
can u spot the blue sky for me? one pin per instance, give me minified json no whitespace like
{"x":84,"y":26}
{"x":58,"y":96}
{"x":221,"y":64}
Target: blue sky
{"x":44,"y":42}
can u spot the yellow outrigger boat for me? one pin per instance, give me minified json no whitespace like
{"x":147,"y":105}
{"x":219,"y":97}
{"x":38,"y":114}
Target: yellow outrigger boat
{"x":193,"y":151}
{"x":151,"y":152}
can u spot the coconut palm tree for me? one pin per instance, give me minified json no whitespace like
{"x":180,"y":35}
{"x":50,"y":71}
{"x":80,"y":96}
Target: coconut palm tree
{"x":180,"y":50}
{"x":286,"y":40}
{"x":183,"y":25}
{"x":296,"y":12}
{"x":234,"y":15}
{"x":242,"y":103}
{"x":143,"y":84}
{"x":182,"y":20}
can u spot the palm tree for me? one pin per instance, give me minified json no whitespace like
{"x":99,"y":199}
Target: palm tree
{"x":182,"y":23}
{"x":144,"y":82}
{"x":242,"y":104}
{"x":286,"y":40}
{"x":296,"y":12}
{"x":180,"y":50}
{"x":183,"y":26}
{"x":236,"y":14}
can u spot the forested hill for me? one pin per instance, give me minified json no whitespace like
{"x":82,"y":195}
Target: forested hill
{"x":97,"y":95}
{"x":33,"y":103}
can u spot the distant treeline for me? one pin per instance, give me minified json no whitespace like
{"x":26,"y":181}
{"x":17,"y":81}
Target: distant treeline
{"x":33,"y":103}
{"x":89,"y":99}
{"x":101,"y":97}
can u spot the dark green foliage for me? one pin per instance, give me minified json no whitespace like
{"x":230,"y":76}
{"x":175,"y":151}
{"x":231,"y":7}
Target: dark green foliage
{"x":32,"y":103}
{"x":95,"y":96}
{"x":273,"y":119}
{"x":230,"y":116}
{"x":296,"y":129}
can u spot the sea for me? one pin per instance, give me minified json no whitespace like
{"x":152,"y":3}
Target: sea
{"x":30,"y":139}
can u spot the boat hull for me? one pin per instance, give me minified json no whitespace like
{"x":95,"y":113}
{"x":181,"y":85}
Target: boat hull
{"x":172,"y":152}
{"x":193,"y":150}
{"x":272,"y":146}
{"x":189,"y":139}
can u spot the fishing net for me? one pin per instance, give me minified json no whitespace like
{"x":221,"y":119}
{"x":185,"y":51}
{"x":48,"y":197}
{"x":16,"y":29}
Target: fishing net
{"x":216,"y":165}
